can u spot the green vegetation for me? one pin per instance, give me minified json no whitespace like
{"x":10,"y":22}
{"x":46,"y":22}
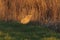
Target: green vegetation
{"x":16,"y":31}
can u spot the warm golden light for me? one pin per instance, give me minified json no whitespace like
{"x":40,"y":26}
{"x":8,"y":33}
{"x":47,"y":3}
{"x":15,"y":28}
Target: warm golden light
{"x":24,"y":11}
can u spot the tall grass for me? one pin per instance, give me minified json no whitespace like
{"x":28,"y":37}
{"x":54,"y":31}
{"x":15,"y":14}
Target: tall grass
{"x":46,"y":11}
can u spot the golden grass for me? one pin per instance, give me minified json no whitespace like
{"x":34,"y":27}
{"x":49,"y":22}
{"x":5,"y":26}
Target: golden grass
{"x":44,"y":10}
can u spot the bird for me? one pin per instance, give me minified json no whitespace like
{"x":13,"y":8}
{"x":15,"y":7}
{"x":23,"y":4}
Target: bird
{"x":26,"y":19}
